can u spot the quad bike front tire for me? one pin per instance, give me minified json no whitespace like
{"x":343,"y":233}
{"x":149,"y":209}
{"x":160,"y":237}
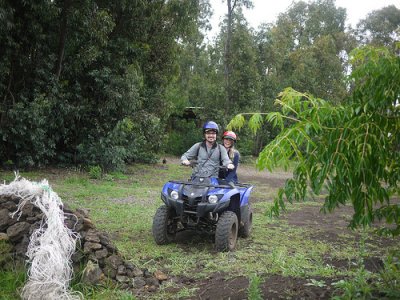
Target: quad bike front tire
{"x":245,"y":230}
{"x":164,"y":226}
{"x":226,"y":232}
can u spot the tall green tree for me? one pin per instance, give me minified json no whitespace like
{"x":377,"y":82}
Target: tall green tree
{"x":306,"y":49}
{"x":380,"y":27}
{"x":231,"y":5}
{"x":244,"y":78}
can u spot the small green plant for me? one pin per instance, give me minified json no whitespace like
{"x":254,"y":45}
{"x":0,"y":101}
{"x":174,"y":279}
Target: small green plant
{"x":95,"y":172}
{"x":317,"y":283}
{"x":254,"y":291}
{"x":389,"y":283}
{"x":357,"y":287}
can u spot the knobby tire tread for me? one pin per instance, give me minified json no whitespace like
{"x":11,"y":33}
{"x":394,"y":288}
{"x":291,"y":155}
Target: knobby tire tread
{"x":223,"y":230}
{"x":160,"y":223}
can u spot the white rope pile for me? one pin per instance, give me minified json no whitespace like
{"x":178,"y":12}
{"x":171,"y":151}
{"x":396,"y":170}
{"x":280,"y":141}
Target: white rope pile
{"x":51,"y":245}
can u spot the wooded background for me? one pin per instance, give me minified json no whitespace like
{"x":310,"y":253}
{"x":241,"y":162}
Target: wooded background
{"x":106,"y":83}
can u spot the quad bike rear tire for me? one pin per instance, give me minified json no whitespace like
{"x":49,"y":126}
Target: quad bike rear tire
{"x":226,"y":232}
{"x":245,"y":230}
{"x":164,"y":226}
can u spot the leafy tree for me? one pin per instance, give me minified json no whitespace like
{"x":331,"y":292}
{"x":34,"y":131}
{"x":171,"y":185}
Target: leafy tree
{"x":202,"y":73}
{"x":351,"y":151}
{"x":380,"y":27}
{"x":228,"y":59}
{"x":244,"y":78}
{"x":306,"y":50}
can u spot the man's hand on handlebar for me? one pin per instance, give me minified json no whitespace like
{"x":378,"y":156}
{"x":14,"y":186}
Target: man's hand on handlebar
{"x":186,"y":162}
{"x":230,"y":166}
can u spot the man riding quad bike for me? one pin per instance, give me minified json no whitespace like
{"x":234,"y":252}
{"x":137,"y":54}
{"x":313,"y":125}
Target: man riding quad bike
{"x":205,"y":203}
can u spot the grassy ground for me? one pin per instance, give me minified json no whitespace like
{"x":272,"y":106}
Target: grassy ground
{"x":123,"y":205}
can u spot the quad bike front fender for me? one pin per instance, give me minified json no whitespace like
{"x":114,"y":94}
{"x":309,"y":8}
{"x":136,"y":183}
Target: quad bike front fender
{"x":245,"y":195}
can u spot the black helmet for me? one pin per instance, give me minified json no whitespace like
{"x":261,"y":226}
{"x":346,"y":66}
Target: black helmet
{"x":210,"y":125}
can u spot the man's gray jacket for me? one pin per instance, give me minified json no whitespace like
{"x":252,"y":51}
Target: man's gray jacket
{"x":209,"y":159}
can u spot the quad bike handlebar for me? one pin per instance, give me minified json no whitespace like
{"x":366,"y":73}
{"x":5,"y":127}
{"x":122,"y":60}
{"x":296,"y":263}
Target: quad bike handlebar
{"x":193,"y":163}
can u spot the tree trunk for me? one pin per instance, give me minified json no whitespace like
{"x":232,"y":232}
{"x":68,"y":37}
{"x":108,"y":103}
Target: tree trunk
{"x":63,"y":36}
{"x":228,"y":63}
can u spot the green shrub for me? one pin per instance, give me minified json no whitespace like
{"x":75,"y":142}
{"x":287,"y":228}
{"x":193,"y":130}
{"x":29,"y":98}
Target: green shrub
{"x":182,"y":137}
{"x":95,"y":172}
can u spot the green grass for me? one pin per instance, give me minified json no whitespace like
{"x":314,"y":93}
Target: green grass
{"x":123,"y":204}
{"x":11,"y":282}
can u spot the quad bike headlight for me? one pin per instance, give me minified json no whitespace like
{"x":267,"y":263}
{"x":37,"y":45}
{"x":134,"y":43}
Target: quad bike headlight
{"x":174,"y":195}
{"x":213,"y":199}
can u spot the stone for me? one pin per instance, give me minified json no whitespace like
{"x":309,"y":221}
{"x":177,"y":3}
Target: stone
{"x":16,"y":231}
{"x":83,"y":211}
{"x":3,"y":199}
{"x":160,"y":275}
{"x":92,"y":274}
{"x":129,"y":273}
{"x":27,"y":210}
{"x":137,"y":272}
{"x":100,"y":254}
{"x":104,"y":239}
{"x":121,"y":270}
{"x":152,"y":288}
{"x":3,"y":236}
{"x":92,"y":236}
{"x":129,"y":265}
{"x":71,"y":224}
{"x":77,"y":256}
{"x":152,"y":281}
{"x":125,"y":286}
{"x":114,"y":261}
{"x":22,"y":246}
{"x":11,"y":205}
{"x":87,"y":224}
{"x":121,"y":279}
{"x":34,"y":226}
{"x":5,"y":219}
{"x":147,"y":273}
{"x":111,"y":248}
{"x":138,"y":282}
{"x":109,"y":271}
{"x":32,"y":219}
{"x":89,"y":247}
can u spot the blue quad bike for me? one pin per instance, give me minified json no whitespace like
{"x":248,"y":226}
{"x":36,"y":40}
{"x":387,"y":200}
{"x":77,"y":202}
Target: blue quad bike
{"x":204,"y":204}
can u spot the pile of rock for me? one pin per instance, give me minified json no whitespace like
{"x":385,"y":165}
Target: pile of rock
{"x":95,"y":250}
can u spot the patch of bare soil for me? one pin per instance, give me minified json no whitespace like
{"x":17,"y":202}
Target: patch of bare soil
{"x":248,"y":174}
{"x":273,"y":287}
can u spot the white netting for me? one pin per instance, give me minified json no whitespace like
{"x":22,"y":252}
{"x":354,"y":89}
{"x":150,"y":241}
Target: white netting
{"x":51,"y":245}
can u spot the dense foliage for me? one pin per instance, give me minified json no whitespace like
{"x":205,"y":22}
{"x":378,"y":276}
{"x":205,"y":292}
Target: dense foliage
{"x":84,"y":82}
{"x":350,"y":151}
